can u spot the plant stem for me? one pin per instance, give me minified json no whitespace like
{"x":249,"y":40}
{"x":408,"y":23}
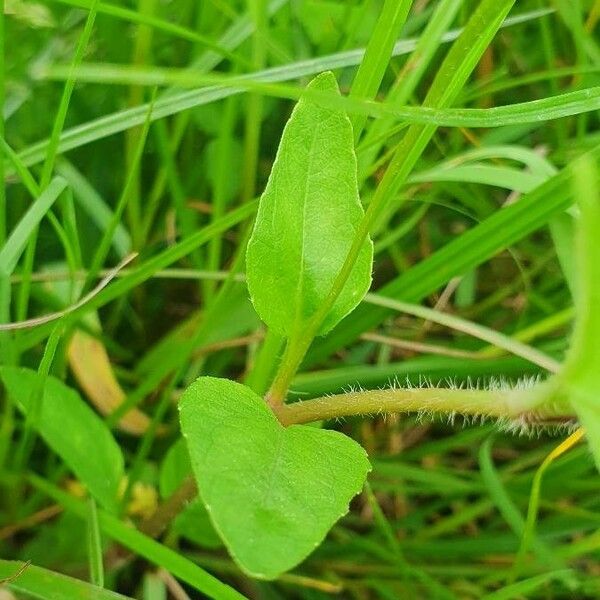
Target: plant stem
{"x":170,"y":508}
{"x":292,"y":358}
{"x":502,"y":402}
{"x":295,"y":351}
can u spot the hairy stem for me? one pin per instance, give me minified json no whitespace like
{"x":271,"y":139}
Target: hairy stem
{"x":526,"y":402}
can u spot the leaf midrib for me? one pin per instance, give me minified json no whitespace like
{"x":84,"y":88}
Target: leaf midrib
{"x":300,"y":287}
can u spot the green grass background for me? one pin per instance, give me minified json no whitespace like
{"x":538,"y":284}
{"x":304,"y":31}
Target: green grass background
{"x":150,"y":127}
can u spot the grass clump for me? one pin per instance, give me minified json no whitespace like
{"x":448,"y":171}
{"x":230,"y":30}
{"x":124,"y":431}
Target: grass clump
{"x":199,"y":396}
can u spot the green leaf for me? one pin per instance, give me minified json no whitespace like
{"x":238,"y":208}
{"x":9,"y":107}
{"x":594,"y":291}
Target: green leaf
{"x":580,"y":380}
{"x":272,"y":492}
{"x":73,"y":430}
{"x":46,"y":585}
{"x":193,"y":523}
{"x":307,"y":219}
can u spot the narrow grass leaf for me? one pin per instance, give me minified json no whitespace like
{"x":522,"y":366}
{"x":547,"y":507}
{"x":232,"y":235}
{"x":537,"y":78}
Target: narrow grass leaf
{"x":43,"y":584}
{"x":61,"y":113}
{"x":19,"y":238}
{"x":413,"y":70}
{"x":506,"y":506}
{"x":94,"y":545}
{"x":377,"y":55}
{"x":175,"y":103}
{"x":534,"y":496}
{"x":497,"y":339}
{"x":72,"y":429}
{"x":527,"y":586}
{"x":533,"y":111}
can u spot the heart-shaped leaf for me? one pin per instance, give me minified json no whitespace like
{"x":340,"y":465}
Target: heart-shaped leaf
{"x":272,"y":492}
{"x":307,"y":220}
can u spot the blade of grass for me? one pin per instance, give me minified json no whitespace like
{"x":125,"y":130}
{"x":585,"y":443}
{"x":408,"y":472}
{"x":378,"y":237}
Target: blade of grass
{"x":140,"y":55}
{"x":534,"y":498}
{"x":254,"y":103}
{"x":94,"y":545}
{"x":412,"y":72}
{"x":107,"y":237}
{"x":182,"y":101}
{"x":507,"y":508}
{"x":21,"y":234}
{"x":7,"y":351}
{"x":536,"y":329}
{"x":43,"y":584}
{"x":495,"y":338}
{"x":141,"y":18}
{"x":32,"y":419}
{"x":143,"y":546}
{"x":505,"y":177}
{"x":50,"y":158}
{"x":72,"y":242}
{"x":61,"y":114}
{"x":426,"y":117}
{"x":377,"y":56}
{"x":21,"y":170}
